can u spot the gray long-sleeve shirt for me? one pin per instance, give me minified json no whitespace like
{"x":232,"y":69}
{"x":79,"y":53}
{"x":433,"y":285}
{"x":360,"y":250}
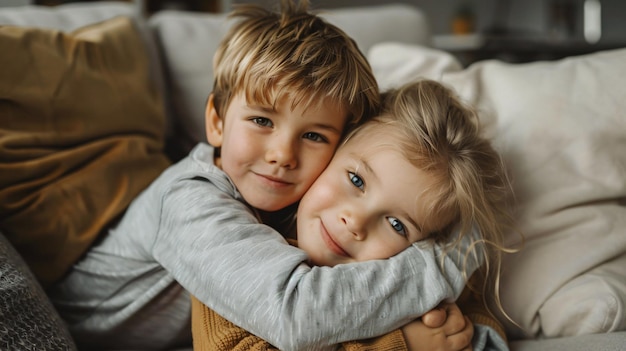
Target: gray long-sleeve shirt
{"x":191,"y":227}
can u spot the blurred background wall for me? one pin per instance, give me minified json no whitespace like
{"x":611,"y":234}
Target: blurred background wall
{"x":543,"y":17}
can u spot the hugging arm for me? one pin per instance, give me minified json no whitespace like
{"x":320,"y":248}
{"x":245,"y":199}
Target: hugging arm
{"x":214,"y":246}
{"x":211,"y":332}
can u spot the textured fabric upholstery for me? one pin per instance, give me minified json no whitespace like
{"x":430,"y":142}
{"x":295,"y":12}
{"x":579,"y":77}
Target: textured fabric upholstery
{"x":29,"y":322}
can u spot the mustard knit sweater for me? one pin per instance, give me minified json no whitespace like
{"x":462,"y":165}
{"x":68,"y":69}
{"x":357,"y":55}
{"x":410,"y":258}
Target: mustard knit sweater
{"x":212,"y":332}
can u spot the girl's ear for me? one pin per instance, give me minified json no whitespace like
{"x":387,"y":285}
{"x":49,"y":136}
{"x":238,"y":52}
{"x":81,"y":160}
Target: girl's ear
{"x":214,"y":124}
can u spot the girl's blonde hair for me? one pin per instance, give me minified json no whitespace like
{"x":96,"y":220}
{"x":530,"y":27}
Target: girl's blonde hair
{"x":441,"y":135}
{"x":293,"y":53}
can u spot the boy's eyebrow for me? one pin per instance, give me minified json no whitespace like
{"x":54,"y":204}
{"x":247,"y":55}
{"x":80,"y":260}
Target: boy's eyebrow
{"x":261,"y":108}
{"x":327,"y":127}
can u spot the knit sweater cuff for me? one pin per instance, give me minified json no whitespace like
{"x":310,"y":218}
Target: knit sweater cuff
{"x":393,"y":341}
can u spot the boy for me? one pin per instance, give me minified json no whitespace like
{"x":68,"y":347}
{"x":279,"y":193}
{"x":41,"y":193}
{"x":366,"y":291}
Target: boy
{"x":287,"y":87}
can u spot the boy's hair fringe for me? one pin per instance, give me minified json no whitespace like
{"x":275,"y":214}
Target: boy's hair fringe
{"x":438,"y":133}
{"x":268,"y":55}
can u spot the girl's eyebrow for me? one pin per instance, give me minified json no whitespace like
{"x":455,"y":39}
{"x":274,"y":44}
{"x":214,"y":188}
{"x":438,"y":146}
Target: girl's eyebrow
{"x":417,"y":226}
{"x":361,"y":162}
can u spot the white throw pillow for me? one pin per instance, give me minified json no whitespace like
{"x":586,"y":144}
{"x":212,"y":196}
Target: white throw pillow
{"x":561,"y":128}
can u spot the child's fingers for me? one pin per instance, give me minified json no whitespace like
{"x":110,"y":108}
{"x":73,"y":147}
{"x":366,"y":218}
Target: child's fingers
{"x":455,"y":321}
{"x":463,"y":339}
{"x":435,"y":318}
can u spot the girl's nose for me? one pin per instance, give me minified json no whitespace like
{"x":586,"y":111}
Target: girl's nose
{"x":355,"y":224}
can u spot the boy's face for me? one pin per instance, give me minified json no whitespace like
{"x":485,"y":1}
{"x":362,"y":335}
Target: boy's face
{"x":369,"y":203}
{"x":273,"y":155}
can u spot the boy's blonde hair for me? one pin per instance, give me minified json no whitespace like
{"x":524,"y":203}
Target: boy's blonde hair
{"x":439,"y":134}
{"x":293,"y":53}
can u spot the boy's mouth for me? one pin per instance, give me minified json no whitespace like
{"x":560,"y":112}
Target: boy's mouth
{"x":330,"y":242}
{"x":273,"y":181}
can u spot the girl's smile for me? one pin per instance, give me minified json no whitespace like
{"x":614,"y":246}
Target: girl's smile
{"x":330,"y":242}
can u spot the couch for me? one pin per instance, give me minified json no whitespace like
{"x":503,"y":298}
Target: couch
{"x":96,"y":99}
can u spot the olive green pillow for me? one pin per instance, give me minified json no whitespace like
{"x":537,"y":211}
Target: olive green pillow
{"x":81,"y":134}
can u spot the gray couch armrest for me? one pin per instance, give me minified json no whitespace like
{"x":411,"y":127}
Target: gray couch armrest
{"x":615,"y":341}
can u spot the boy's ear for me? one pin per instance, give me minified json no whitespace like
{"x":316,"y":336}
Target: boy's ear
{"x":214,"y":124}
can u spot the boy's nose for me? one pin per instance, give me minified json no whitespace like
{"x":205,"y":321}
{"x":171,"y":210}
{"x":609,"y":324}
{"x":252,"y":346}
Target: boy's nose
{"x":282,"y":152}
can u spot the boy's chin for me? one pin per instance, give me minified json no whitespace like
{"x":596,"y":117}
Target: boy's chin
{"x":266,"y":206}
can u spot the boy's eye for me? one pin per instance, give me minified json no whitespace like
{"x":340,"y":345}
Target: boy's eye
{"x":397,"y":225}
{"x":262,"y":121}
{"x":315,"y":137}
{"x":356,"y":180}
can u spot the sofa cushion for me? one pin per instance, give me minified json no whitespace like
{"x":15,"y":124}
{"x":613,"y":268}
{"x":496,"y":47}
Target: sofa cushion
{"x":71,"y":16}
{"x":561,"y":129}
{"x":593,"y":302}
{"x":81,"y":134}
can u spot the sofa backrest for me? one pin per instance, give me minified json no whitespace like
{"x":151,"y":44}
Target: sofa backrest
{"x":66,"y":17}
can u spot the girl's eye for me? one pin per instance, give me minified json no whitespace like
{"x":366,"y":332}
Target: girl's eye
{"x":262,"y":121}
{"x":356,"y":180}
{"x":315,"y":137}
{"x":397,"y":225}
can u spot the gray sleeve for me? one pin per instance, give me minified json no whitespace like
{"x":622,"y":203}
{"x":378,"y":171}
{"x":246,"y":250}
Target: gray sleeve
{"x":487,"y":339}
{"x":215,"y":248}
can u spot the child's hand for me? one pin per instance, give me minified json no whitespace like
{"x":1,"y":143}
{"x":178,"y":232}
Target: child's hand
{"x":444,"y":328}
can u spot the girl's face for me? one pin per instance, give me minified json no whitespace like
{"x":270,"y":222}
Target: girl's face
{"x":369,"y":203}
{"x":273,"y":154}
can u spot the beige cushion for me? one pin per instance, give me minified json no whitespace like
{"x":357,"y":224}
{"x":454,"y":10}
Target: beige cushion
{"x":81,"y":134}
{"x":561,"y":128}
